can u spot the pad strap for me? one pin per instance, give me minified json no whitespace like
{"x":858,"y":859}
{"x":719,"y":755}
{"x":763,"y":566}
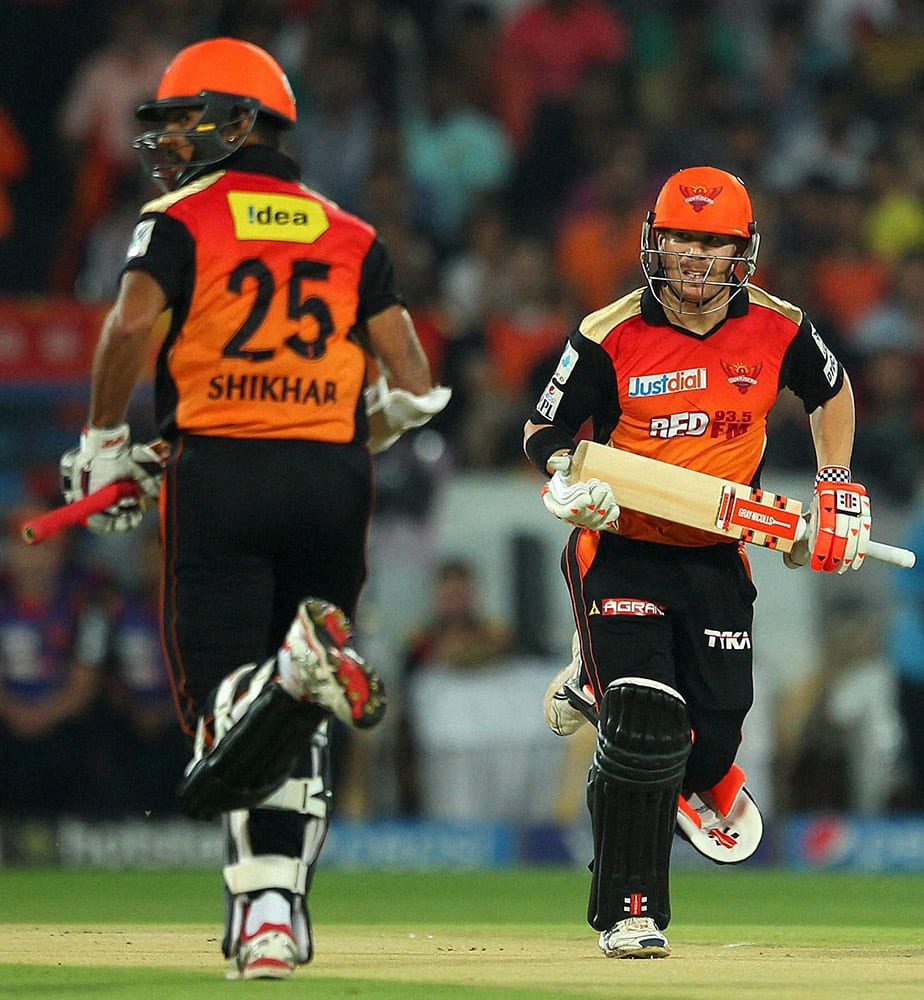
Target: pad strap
{"x":266,"y":871}
{"x":300,"y":795}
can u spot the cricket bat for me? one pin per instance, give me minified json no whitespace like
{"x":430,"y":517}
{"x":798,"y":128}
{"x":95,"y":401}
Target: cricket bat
{"x":698,"y":500}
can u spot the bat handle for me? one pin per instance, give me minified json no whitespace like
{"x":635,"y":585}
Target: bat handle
{"x":892,"y":554}
{"x":39,"y":528}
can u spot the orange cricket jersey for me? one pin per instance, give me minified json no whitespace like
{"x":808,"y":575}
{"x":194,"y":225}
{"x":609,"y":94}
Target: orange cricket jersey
{"x":696,"y":402}
{"x":263,"y":349}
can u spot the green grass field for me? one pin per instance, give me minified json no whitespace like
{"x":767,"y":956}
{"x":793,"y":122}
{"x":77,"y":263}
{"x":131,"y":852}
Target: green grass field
{"x":514,"y":933}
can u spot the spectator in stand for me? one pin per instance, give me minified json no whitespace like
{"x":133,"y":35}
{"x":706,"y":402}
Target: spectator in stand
{"x":847,"y":278}
{"x":543,"y":50}
{"x":597,"y":249}
{"x":14,"y":157}
{"x":888,"y":445}
{"x":335,"y":138}
{"x":372,"y":31}
{"x":144,"y":750}
{"x":97,"y":129}
{"x":519,"y":334}
{"x":895,"y":217}
{"x":473,"y":278}
{"x":455,"y":154}
{"x":580,"y":131}
{"x":458,"y":635}
{"x":51,"y":648}
{"x":471,"y":35}
{"x":682,"y":47}
{"x":906,"y":649}
{"x":840,"y":737}
{"x":832,"y":138}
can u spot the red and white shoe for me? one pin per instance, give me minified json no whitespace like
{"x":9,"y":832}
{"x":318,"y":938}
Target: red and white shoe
{"x":722,"y":823}
{"x":317,"y":663}
{"x":268,"y":953}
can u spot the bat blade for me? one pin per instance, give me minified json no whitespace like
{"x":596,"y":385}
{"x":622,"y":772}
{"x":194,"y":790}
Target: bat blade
{"x":697,"y":500}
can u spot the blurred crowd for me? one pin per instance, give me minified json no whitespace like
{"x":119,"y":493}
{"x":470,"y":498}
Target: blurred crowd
{"x":507,"y":151}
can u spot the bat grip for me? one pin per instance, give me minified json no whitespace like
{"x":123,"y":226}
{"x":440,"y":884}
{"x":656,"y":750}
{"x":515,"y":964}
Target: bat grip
{"x":891,"y":554}
{"x":880,"y":551}
{"x":39,"y":528}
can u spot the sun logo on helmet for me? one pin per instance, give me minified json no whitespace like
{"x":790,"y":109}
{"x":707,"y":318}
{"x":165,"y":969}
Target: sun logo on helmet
{"x":699,"y":197}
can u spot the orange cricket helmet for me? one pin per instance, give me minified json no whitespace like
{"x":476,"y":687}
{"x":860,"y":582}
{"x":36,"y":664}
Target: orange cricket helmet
{"x":701,"y":200}
{"x":223,"y":66}
{"x":705,"y":200}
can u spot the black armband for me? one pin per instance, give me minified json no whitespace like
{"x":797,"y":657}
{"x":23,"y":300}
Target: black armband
{"x":543,"y":443}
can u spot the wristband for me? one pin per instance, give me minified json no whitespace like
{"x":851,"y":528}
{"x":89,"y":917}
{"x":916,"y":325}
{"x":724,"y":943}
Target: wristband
{"x":543,"y":443}
{"x":832,"y":474}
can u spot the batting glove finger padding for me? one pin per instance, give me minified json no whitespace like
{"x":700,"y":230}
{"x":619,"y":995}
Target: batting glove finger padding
{"x":839,"y":522}
{"x":106,"y":455}
{"x":588,"y":504}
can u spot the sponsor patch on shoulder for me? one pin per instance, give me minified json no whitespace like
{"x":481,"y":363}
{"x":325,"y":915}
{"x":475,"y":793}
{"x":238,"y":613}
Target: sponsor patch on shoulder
{"x":141,"y":239}
{"x":566,"y":364}
{"x":549,"y":400}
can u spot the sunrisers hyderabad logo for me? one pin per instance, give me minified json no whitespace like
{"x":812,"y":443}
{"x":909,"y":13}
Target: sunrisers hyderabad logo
{"x":699,"y":197}
{"x":740,"y":375}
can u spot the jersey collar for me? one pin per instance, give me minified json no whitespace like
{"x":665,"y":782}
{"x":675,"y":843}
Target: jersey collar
{"x":254,"y":159}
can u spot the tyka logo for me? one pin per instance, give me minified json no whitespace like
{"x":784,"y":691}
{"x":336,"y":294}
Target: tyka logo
{"x":726,"y":639}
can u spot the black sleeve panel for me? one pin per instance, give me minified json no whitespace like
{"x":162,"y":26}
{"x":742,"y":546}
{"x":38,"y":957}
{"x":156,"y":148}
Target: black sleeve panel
{"x":582,"y":387}
{"x":810,"y":368}
{"x":167,"y":253}
{"x":377,"y":282}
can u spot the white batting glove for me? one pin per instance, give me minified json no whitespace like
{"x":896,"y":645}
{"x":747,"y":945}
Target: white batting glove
{"x":589,"y":504}
{"x":106,"y":455}
{"x":391,"y":412}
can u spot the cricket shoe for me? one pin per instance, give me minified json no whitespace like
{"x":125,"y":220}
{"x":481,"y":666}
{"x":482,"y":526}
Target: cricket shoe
{"x":723,"y":823}
{"x":317,"y":663}
{"x":634,"y":937}
{"x":269,"y":953}
{"x":566,"y":705}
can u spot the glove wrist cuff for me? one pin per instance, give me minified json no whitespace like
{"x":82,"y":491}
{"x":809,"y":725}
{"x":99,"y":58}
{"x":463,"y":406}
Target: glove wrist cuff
{"x":833,"y":474}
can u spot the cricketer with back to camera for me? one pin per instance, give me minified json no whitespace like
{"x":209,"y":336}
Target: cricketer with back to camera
{"x":277,"y":300}
{"x":683,"y":370}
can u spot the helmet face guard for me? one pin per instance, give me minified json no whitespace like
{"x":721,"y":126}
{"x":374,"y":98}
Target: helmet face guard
{"x":210,"y":140}
{"x":700,"y":200}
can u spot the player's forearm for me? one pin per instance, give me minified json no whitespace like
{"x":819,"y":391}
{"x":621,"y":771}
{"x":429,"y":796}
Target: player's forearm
{"x":394,"y":341}
{"x":117,"y":366}
{"x":123,"y":346}
{"x":833,"y":426}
